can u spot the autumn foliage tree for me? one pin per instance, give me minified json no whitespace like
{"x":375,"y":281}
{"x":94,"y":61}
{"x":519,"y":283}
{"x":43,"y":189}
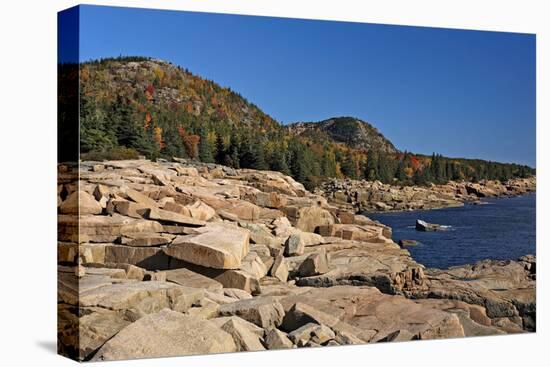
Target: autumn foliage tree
{"x":191,"y":143}
{"x":158,"y":109}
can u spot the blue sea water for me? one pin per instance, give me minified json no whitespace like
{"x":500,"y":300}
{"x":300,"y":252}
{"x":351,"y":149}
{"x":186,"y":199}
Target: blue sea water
{"x":503,"y":229}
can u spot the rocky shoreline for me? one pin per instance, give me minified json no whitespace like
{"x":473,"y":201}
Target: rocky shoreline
{"x":374,"y":196}
{"x":179,"y":258}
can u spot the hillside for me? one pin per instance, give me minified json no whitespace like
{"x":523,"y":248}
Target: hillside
{"x":131,"y":106}
{"x":353,"y":132}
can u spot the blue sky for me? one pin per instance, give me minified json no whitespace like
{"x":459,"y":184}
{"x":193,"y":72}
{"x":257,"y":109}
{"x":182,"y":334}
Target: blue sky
{"x":459,"y":93}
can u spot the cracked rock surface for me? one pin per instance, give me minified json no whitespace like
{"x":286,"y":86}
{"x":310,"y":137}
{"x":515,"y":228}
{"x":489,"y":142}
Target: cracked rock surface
{"x":179,"y":258}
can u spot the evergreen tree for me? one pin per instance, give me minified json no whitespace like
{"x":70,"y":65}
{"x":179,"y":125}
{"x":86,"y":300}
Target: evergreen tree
{"x":173,"y":144}
{"x":349,"y":166}
{"x":206,"y":148}
{"x":233,"y":153}
{"x":139,"y":119}
{"x":328,"y":163}
{"x":384,"y":170}
{"x":372,"y":166}
{"x":220,"y":149}
{"x":258,"y":152}
{"x":246,"y":152}
{"x":419,"y":177}
{"x":278,"y":162}
{"x":400,"y":171}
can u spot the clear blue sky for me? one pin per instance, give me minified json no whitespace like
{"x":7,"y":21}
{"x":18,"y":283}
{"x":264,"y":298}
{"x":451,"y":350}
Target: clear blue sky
{"x":459,"y":93}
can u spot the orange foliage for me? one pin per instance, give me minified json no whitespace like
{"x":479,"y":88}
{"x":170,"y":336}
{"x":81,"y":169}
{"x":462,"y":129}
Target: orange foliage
{"x":415,"y":162}
{"x":141,"y":108}
{"x":181,"y":132}
{"x":149,"y":92}
{"x":221,"y":113}
{"x":157,"y":135}
{"x":191,"y":143}
{"x":189,"y":107}
{"x":408,"y":171}
{"x":148,"y":120}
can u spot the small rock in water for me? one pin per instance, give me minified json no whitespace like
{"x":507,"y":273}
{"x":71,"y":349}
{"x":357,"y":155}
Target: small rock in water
{"x":480,"y":203}
{"x":429,"y":227}
{"x":404,"y":243}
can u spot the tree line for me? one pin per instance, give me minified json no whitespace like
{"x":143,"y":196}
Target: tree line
{"x":125,"y":116}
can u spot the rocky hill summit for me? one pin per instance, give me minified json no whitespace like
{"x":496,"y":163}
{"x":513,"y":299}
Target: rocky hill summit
{"x":177,"y":257}
{"x":350,"y":131}
{"x":136,"y":106}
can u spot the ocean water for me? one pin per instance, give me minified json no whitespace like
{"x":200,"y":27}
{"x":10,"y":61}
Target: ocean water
{"x":503,"y":229}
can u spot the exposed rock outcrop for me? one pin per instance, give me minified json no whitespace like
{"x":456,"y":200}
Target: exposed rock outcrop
{"x":374,"y":196}
{"x":175,"y":258}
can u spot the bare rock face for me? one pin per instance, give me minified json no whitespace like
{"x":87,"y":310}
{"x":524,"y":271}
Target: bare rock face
{"x":217,"y":247}
{"x":100,"y":228}
{"x":314,"y":264}
{"x":174,"y":258}
{"x":140,"y":198}
{"x":279,"y":269}
{"x":201,"y":211}
{"x":366,"y":308}
{"x":308,"y":219}
{"x":166,"y":333}
{"x":247,"y":336}
{"x":383,"y":265}
{"x":361,"y":196}
{"x":473,"y":318}
{"x":239,"y":279}
{"x":188,"y":278}
{"x":505,"y":289}
{"x":312,"y":334}
{"x":276,"y":339}
{"x":172,"y":217}
{"x":146,"y":239}
{"x":253,"y":265}
{"x":294,"y":245}
{"x":265,"y":312}
{"x":80,"y":202}
{"x":95,"y":327}
{"x":242,"y":210}
{"x":268,"y":199}
{"x":145,"y":297}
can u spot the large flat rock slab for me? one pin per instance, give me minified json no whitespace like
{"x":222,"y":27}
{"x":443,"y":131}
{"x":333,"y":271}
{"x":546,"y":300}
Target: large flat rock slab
{"x":164,"y":334}
{"x":101,"y":228}
{"x":265,"y":312}
{"x":145,"y":297}
{"x":308,"y":219}
{"x":214,"y":246}
{"x":381,"y":264}
{"x":167,"y":216}
{"x":152,"y":258}
{"x":95,"y":327}
{"x":506,"y":289}
{"x":188,"y":278}
{"x":366,"y":308}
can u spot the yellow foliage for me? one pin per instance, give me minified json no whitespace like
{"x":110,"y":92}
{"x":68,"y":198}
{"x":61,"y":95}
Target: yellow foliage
{"x":84,"y":74}
{"x":339,"y":173}
{"x":157,"y":135}
{"x":159,"y":73}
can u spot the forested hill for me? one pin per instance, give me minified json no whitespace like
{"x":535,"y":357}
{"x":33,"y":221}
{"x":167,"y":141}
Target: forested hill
{"x":131,"y":106}
{"x":351,"y":131}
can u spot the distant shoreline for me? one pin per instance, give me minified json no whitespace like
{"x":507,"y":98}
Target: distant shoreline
{"x":376,"y":197}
